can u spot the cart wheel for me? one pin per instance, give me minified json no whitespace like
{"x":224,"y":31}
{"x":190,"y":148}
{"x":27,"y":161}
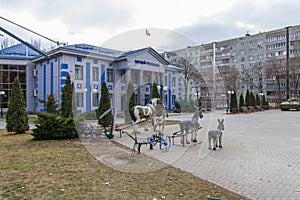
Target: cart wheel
{"x":165,"y":143}
{"x":151,"y":140}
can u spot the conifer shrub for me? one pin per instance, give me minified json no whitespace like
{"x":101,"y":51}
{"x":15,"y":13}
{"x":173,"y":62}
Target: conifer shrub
{"x":241,"y":101}
{"x":104,"y":105}
{"x":130,"y":101}
{"x":50,"y":127}
{"x":16,"y":116}
{"x":154,"y":91}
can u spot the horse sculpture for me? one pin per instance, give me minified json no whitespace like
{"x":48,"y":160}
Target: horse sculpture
{"x":159,"y":119}
{"x":191,"y":125}
{"x":153,"y":112}
{"x":216,"y":136}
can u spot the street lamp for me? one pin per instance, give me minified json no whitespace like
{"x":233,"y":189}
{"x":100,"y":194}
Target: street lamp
{"x":261,"y":95}
{"x":230,"y":92}
{"x":2,"y":93}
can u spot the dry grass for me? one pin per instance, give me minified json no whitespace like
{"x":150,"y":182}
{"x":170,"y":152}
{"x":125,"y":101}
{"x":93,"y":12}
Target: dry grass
{"x":65,"y":170}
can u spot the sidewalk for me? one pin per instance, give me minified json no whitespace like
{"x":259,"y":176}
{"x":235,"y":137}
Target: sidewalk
{"x":260,"y":156}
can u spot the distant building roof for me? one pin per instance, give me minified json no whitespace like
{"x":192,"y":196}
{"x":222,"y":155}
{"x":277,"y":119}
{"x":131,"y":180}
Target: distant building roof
{"x":93,"y":49}
{"x":18,"y":51}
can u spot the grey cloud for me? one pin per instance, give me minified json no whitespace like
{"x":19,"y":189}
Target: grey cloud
{"x":264,"y":17}
{"x":77,"y":14}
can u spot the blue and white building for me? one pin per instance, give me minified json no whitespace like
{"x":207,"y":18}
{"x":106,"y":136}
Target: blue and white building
{"x":90,"y":66}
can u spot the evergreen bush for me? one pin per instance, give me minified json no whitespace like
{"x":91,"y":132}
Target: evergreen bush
{"x":130,"y":101}
{"x":252,"y":99}
{"x":16,"y":116}
{"x":248,"y":99}
{"x":233,"y":103}
{"x":51,"y":104}
{"x":154,"y":91}
{"x":241,"y":101}
{"x":50,"y":127}
{"x":257,"y":100}
{"x":104,"y":105}
{"x":66,"y":101}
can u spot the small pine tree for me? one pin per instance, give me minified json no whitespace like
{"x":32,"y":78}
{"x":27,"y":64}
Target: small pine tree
{"x":242,"y":101}
{"x":154,"y":91}
{"x":253,"y":101}
{"x":104,"y":105}
{"x":257,"y":100}
{"x":233,"y":103}
{"x":66,"y":102}
{"x":16,"y":116}
{"x":265,"y":103}
{"x":130,"y":101}
{"x":51,"y":104}
{"x":248,"y":99}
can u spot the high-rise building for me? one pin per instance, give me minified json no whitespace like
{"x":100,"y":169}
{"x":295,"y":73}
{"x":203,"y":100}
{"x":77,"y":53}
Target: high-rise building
{"x":259,"y":63}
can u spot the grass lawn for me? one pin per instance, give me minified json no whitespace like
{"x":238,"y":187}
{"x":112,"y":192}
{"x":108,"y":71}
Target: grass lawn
{"x":65,"y":170}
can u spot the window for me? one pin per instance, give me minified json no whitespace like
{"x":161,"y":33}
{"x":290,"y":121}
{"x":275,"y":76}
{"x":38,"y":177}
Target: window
{"x":110,"y":73}
{"x":147,"y":77}
{"x":135,"y":76}
{"x":95,"y":72}
{"x":79,"y":99}
{"x":242,"y":59}
{"x":173,"y":81}
{"x":123,"y":71}
{"x":158,"y":79}
{"x":95,"y":99}
{"x":251,"y":58}
{"x":78,"y":72}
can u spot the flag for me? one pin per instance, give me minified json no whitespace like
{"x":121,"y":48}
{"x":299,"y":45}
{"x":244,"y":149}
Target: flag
{"x":147,"y":32}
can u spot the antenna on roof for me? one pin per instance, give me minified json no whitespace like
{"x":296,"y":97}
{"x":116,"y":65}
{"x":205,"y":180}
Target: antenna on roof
{"x":56,"y":42}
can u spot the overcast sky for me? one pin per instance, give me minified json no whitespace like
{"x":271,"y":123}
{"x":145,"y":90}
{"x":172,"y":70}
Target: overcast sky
{"x":111,"y":22}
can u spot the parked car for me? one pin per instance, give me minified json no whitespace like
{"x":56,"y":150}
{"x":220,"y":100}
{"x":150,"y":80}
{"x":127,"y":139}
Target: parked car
{"x":291,"y":103}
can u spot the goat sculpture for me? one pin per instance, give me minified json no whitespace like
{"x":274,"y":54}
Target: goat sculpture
{"x":216,"y":136}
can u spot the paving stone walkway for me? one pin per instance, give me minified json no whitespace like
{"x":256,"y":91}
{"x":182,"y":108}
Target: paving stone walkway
{"x":260,"y":156}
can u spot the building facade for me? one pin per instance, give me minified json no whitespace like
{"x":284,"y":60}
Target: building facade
{"x":258,"y":63}
{"x":90,"y":66}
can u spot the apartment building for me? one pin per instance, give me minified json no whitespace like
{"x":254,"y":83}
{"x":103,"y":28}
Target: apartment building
{"x":254,"y":62}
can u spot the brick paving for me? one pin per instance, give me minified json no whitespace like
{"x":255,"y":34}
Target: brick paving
{"x":259,"y":159}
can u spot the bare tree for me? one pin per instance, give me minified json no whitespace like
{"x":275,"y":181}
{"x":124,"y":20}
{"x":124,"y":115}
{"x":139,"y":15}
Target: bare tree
{"x":189,"y":73}
{"x":254,"y":75}
{"x":277,"y":70}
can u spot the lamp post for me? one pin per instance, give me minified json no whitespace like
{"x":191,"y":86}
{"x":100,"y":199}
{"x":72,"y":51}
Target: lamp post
{"x":230,"y":92}
{"x":2,"y":93}
{"x":261,"y":95}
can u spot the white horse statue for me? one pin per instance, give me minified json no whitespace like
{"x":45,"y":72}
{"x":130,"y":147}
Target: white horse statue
{"x":153,"y":112}
{"x":191,"y":125}
{"x":216,"y":136}
{"x":159,"y":119}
